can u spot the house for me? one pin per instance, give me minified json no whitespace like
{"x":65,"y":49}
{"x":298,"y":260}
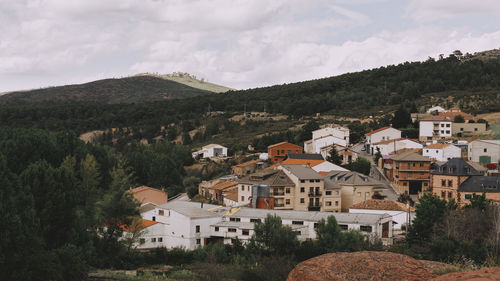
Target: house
{"x":280,"y":187}
{"x":313,"y":162}
{"x":447,"y":178}
{"x":278,"y":152}
{"x":398,"y":211}
{"x":246,"y":168}
{"x":347,"y":155}
{"x":485,"y":151}
{"x":146,"y":234}
{"x":309,"y":187}
{"x":211,"y":150}
{"x":328,"y":135}
{"x":460,"y":130}
{"x":382,"y":134}
{"x":479,"y":185}
{"x":239,"y":223}
{"x":215,"y":192}
{"x":145,"y":194}
{"x":389,"y":146}
{"x":410,"y":173}
{"x":355,"y":187}
{"x":435,"y":128}
{"x":436,"y":109}
{"x":442,"y":151}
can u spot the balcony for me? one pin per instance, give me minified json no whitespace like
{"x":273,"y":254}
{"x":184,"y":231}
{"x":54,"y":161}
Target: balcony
{"x":313,"y":207}
{"x":313,"y":194}
{"x":282,"y":193}
{"x":279,"y":205}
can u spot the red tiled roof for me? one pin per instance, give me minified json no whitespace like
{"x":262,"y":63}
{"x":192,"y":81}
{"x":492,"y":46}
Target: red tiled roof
{"x":142,"y":223}
{"x":378,"y":130}
{"x":224,"y":185}
{"x":438,"y":145}
{"x":232,"y":196}
{"x":377,"y":204}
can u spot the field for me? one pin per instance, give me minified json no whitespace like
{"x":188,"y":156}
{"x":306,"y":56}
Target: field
{"x":494,"y":121}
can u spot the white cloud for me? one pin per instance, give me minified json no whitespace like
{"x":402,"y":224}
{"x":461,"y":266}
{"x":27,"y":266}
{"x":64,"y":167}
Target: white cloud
{"x":432,"y":10}
{"x":238,"y":43}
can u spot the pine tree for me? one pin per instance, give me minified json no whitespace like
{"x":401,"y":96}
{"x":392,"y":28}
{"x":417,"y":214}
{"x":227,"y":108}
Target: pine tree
{"x":334,"y":157}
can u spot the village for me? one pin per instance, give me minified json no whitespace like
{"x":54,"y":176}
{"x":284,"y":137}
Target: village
{"x":449,"y":159}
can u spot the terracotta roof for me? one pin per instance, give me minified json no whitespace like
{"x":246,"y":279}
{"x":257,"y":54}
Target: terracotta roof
{"x":377,"y":204}
{"x":282,"y":143}
{"x":452,"y":115}
{"x":410,"y":156}
{"x":438,"y":145}
{"x":379,"y":130}
{"x":310,"y":163}
{"x":390,"y":141}
{"x":247,"y":163}
{"x":143,"y":223}
{"x":224,"y":185}
{"x":232,"y":196}
{"x":436,"y":118}
{"x":145,"y":194}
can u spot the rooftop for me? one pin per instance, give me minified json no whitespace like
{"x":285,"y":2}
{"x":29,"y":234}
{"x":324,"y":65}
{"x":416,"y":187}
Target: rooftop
{"x":145,"y":194}
{"x":282,"y":143}
{"x":268,"y":177}
{"x":224,"y":185}
{"x":437,"y":145}
{"x":342,"y":218}
{"x":191,"y":209}
{"x":244,"y":164}
{"x":394,"y":140}
{"x":376,"y":204}
{"x":410,"y":156}
{"x":212,"y":145}
{"x":379,"y":130}
{"x":305,"y":156}
{"x":456,"y":167}
{"x":303,"y":172}
{"x":480,"y":184}
{"x":352,"y":178}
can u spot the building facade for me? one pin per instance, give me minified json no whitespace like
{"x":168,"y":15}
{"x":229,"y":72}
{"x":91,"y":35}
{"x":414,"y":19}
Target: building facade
{"x":410,"y":173}
{"x":278,"y":152}
{"x":442,"y":152}
{"x":382,"y":134}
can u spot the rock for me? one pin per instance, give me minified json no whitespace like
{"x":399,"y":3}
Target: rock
{"x":361,"y":266}
{"x":484,"y":274}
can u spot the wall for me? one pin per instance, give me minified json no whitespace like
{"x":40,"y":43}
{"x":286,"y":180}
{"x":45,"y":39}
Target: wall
{"x":397,"y":216}
{"x":387,"y":134}
{"x":278,"y":153}
{"x":476,"y":149}
{"x":468,"y":128}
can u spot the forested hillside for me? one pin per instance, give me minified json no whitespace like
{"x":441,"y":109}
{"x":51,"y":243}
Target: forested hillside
{"x":135,"y":89}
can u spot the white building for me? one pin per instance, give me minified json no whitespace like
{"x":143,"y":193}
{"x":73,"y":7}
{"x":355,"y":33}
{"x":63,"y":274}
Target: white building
{"x":211,"y":150}
{"x":382,"y":134}
{"x":398,"y":211}
{"x":436,"y":108}
{"x":435,"y":128}
{"x":485,"y":151}
{"x":442,"y":152}
{"x":326,"y":136}
{"x":388,"y":146}
{"x":327,"y":167}
{"x":239,"y":222}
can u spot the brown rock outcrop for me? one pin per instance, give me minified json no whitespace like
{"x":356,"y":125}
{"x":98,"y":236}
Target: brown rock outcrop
{"x":485,"y":274}
{"x":360,"y":266}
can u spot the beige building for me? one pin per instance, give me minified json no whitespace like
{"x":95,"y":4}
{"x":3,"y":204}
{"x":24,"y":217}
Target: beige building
{"x":355,"y":187}
{"x":467,"y":129}
{"x":281,"y":188}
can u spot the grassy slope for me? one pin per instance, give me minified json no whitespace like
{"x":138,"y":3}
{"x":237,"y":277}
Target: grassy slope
{"x":123,"y":90}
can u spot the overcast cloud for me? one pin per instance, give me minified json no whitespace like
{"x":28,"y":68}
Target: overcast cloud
{"x":235,"y":43}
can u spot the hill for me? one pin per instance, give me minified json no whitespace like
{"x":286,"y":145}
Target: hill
{"x":191,"y":81}
{"x":135,"y":89}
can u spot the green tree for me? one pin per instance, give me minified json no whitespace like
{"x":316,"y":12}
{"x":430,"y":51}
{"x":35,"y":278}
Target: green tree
{"x":378,"y":155}
{"x":479,"y":202}
{"x":429,"y":211}
{"x":191,"y":185}
{"x":459,"y":119}
{"x":332,"y":239}
{"x":334,"y":157}
{"x":402,"y":118}
{"x":274,"y":238}
{"x":361,"y":165}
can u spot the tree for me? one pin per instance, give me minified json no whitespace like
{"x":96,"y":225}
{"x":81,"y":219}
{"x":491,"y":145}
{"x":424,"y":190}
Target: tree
{"x":378,"y":155}
{"x":333,"y":156}
{"x":191,"y":186}
{"x":361,"y":165}
{"x":479,"y":202}
{"x":274,"y":238}
{"x":332,"y":239}
{"x":401,"y":118}
{"x":429,"y":211}
{"x":459,"y":119}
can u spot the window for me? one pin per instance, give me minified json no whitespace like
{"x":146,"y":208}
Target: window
{"x":282,"y":151}
{"x":336,"y":203}
{"x":343,"y":226}
{"x":443,"y":194}
{"x":311,"y":180}
{"x":297,"y":233}
{"x":437,"y":151}
{"x":197,"y":229}
{"x":450,"y":195}
{"x":245,"y":232}
{"x":217,"y":229}
{"x":231,"y":229}
{"x":450,"y":183}
{"x":302,"y":189}
{"x":302,"y":200}
{"x":311,"y":189}
{"x":142,"y":241}
{"x":328,"y":203}
{"x":317,"y":180}
{"x":287,"y":201}
{"x":485,"y":150}
{"x":160,"y":239}
{"x":475,"y":129}
{"x":461,"y":129}
{"x":426,"y":150}
{"x":198,"y":241}
{"x":242,"y":188}
{"x":153,"y":239}
{"x":242,"y":198}
{"x":447,"y":131}
{"x":316,"y":225}
{"x":154,"y":218}
{"x":468,"y":196}
{"x":161,"y":212}
{"x":302,"y":181}
{"x":408,"y":165}
{"x":421,"y":164}
{"x":358,"y":194}
{"x":288,"y":190}
{"x":366,"y":228}
{"x":298,"y":222}
{"x":234,"y":219}
{"x":442,"y":125}
{"x":443,"y":182}
{"x":328,"y":193}
{"x":404,"y":183}
{"x":288,"y":151}
{"x":447,"y":125}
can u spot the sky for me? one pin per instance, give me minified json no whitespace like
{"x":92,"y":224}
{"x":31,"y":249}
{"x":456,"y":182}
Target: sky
{"x":236,"y":43}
